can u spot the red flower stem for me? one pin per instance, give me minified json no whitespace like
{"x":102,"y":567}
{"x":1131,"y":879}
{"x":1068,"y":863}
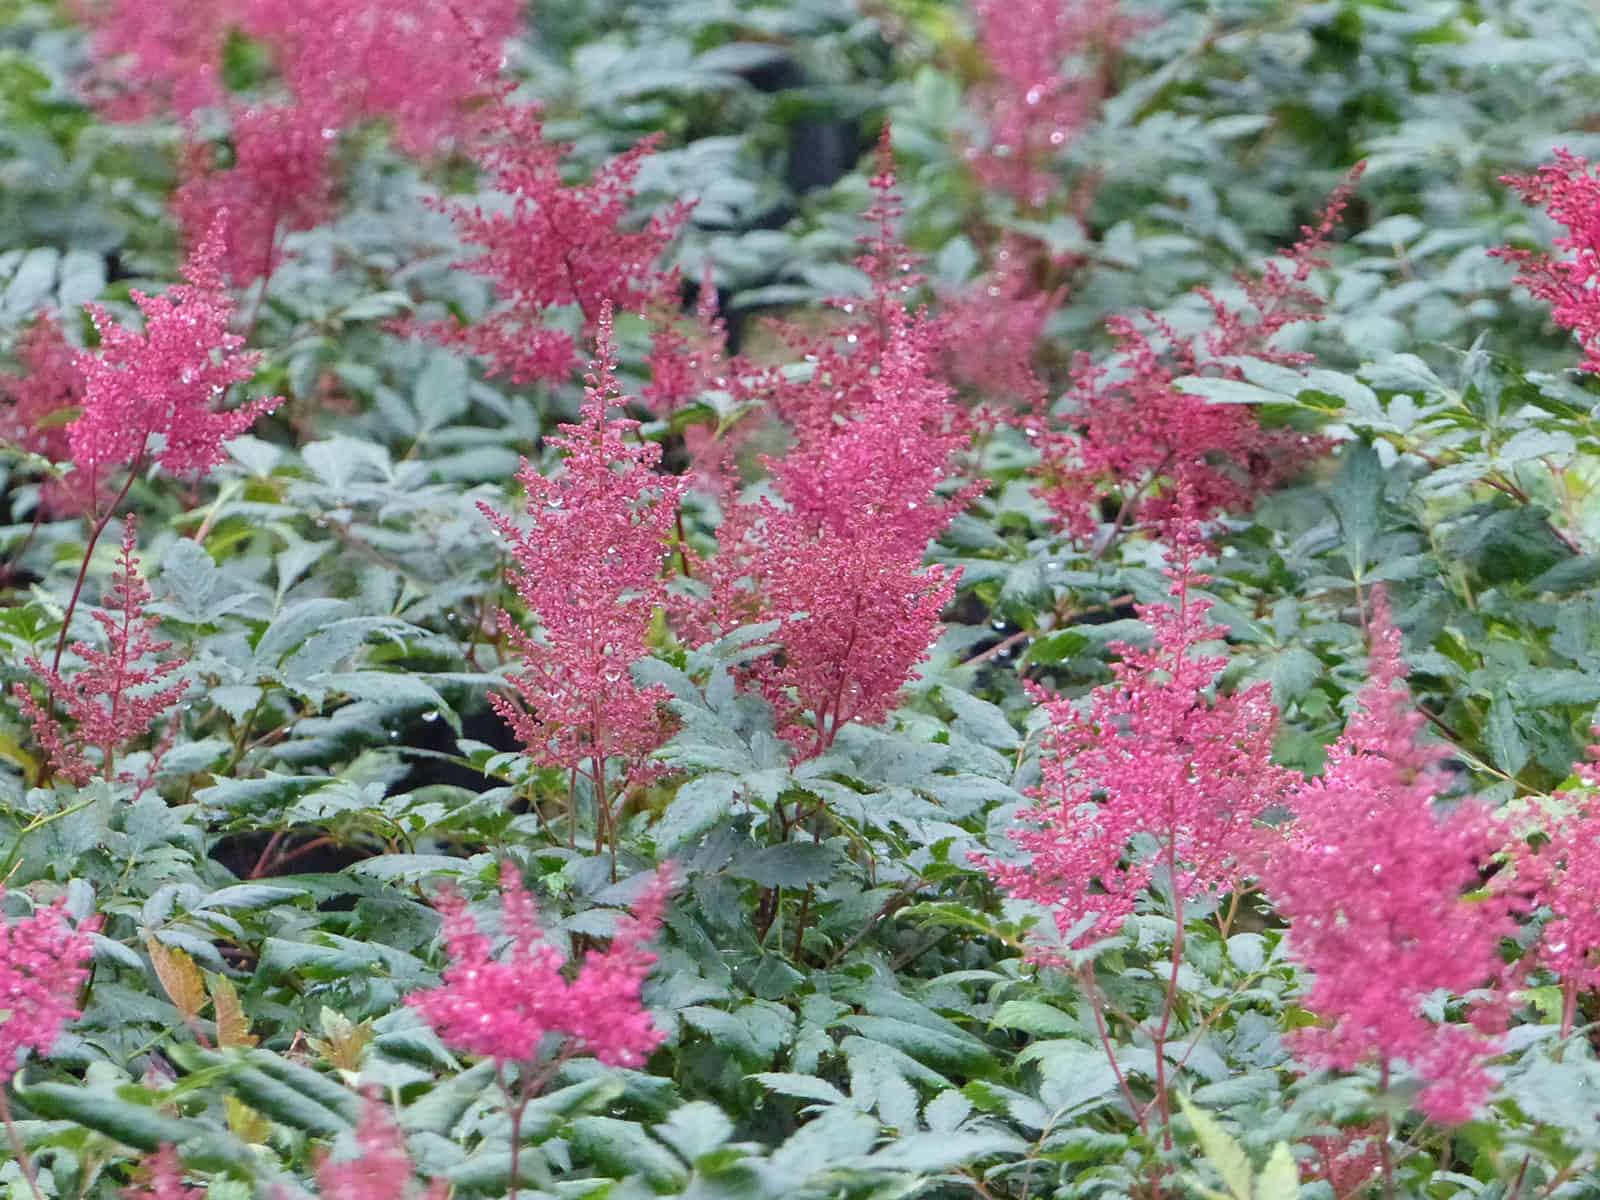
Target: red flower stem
{"x":1383,"y":1150}
{"x":88,"y":553}
{"x":1162,"y":1100}
{"x":1096,"y":1004}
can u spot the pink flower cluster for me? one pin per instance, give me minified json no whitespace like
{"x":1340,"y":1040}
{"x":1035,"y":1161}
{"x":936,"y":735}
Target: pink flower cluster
{"x":1374,"y":881}
{"x":404,"y":61}
{"x":381,"y":1169}
{"x":166,"y":381}
{"x":1570,"y":193}
{"x":836,"y":557}
{"x":1052,"y":63}
{"x":508,"y":1008}
{"x":44,"y":961}
{"x":38,"y":404}
{"x":589,"y":571}
{"x":1563,"y":875}
{"x":1151,"y":757}
{"x":342,"y":61}
{"x":559,"y":244}
{"x":277,"y":182}
{"x":163,"y":1179}
{"x":1133,"y":432}
{"x":118,"y":693}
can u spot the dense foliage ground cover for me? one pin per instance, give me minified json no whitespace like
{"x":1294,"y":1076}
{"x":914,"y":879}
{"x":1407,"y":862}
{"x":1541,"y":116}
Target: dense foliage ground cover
{"x":852,"y":598}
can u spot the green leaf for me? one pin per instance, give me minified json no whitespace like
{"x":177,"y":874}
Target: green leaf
{"x":695,"y":1130}
{"x":624,"y":1148}
{"x":699,"y":804}
{"x":99,"y":1108}
{"x":1033,"y":1016}
{"x":1355,"y":496}
{"x":792,"y":864}
{"x":802,"y":1087}
{"x":1507,"y":748}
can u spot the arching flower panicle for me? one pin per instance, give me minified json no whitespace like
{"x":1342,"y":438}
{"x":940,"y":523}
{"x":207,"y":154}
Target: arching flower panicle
{"x":117,"y":693}
{"x":516,"y":1006}
{"x":588,"y":569}
{"x":1155,"y":755}
{"x":1374,"y":881}
{"x":44,"y":962}
{"x":167,"y":380}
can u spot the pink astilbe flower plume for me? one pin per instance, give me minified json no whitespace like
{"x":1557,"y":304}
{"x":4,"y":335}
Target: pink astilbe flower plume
{"x":527,"y":1003}
{"x":117,"y":693}
{"x":843,"y":361}
{"x":162,"y":1179}
{"x":1052,"y":63}
{"x":1570,"y":193}
{"x":38,"y":403}
{"x":1133,"y":433}
{"x":992,"y":330}
{"x":1563,"y":875}
{"x":167,"y":380}
{"x":381,"y":1168}
{"x":837,"y":560}
{"x":343,"y":61}
{"x":1153,"y":756}
{"x":44,"y":962}
{"x":152,"y":56}
{"x":589,"y":571}
{"x":278,"y":183}
{"x":410,"y":62}
{"x":557,"y":245}
{"x":1373,"y":881}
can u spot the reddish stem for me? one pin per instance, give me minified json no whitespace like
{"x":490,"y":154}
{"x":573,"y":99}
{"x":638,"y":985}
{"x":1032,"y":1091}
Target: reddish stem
{"x":83,"y":567}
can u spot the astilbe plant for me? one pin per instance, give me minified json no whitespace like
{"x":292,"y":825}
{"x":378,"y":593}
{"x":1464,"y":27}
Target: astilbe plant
{"x":152,"y":394}
{"x":1374,"y":880}
{"x":1570,"y":193}
{"x":1157,"y":773}
{"x":152,"y":56}
{"x":381,"y":1168}
{"x":1132,"y":432}
{"x":408,"y":62}
{"x":1561,"y":873}
{"x":342,"y":61}
{"x":557,"y":245}
{"x":1052,"y":62}
{"x":278,"y":182}
{"x":527,"y":1009}
{"x":835,"y":555}
{"x":992,"y":329}
{"x":836,"y":559}
{"x":589,"y":570}
{"x":162,"y":1179}
{"x":44,"y":962}
{"x":165,"y":381}
{"x":117,"y":693}
{"x":1153,"y":756}
{"x":37,"y":404}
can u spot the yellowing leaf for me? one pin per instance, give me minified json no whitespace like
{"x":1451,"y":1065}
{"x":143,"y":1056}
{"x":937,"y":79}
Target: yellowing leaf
{"x":179,"y":977}
{"x":233,"y":1027}
{"x":1280,"y":1178}
{"x":345,"y":1043}
{"x":246,"y":1123}
{"x":1221,"y":1151}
